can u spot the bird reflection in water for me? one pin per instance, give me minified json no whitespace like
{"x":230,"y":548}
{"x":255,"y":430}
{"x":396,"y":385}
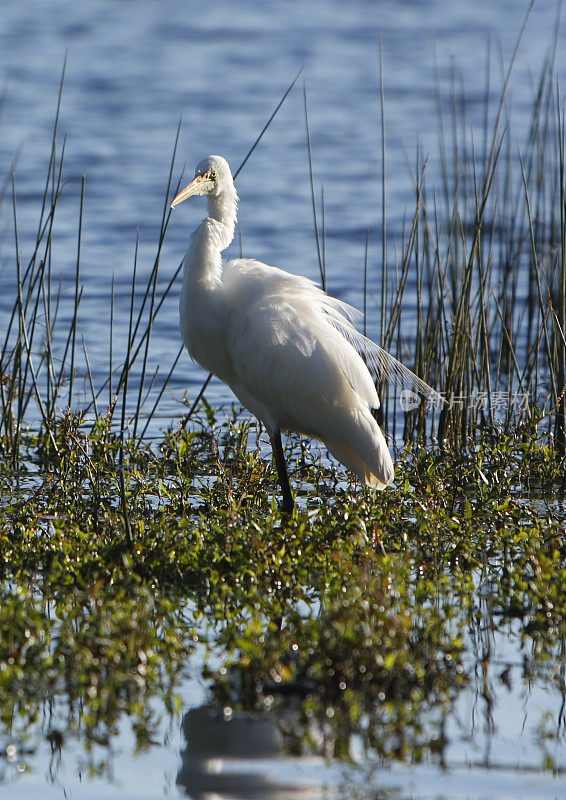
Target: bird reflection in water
{"x":240,"y":756}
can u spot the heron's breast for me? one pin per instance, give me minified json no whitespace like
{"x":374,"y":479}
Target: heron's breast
{"x":203,"y":328}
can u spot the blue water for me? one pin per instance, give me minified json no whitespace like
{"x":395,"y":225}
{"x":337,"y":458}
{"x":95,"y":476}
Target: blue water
{"x":135,"y":68}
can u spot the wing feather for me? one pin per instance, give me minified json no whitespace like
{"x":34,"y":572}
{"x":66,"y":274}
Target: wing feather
{"x":252,"y":279}
{"x":384,"y":366}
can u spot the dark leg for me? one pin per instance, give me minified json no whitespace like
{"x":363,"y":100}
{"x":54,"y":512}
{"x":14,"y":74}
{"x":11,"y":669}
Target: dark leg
{"x":288,"y":503}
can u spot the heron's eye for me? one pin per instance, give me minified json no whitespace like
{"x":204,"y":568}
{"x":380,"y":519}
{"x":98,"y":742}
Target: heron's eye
{"x":213,"y":176}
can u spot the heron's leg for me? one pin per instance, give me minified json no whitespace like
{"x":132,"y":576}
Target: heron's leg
{"x":288,"y":503}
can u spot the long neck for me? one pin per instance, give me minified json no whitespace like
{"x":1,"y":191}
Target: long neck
{"x":203,"y":262}
{"x":223,"y":209}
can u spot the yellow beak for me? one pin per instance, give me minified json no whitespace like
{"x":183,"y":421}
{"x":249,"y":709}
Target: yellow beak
{"x":197,"y":186}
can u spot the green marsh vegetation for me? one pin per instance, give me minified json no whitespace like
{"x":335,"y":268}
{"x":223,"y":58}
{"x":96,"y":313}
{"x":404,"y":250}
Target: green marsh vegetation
{"x":125,"y":557}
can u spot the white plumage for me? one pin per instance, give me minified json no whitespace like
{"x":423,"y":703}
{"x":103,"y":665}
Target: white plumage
{"x":288,"y":351}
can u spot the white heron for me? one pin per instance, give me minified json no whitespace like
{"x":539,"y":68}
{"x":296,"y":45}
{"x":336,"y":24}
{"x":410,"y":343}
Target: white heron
{"x":288,"y":350}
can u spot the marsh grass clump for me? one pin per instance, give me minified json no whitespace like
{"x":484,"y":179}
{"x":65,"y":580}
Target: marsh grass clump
{"x":363,"y":615}
{"x":485,"y":257}
{"x":73,"y":669}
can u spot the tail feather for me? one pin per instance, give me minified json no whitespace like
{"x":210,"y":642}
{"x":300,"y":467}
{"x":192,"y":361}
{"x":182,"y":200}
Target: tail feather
{"x":363,"y":450}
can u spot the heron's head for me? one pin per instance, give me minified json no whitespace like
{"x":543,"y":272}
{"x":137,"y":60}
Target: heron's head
{"x":212,"y":177}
